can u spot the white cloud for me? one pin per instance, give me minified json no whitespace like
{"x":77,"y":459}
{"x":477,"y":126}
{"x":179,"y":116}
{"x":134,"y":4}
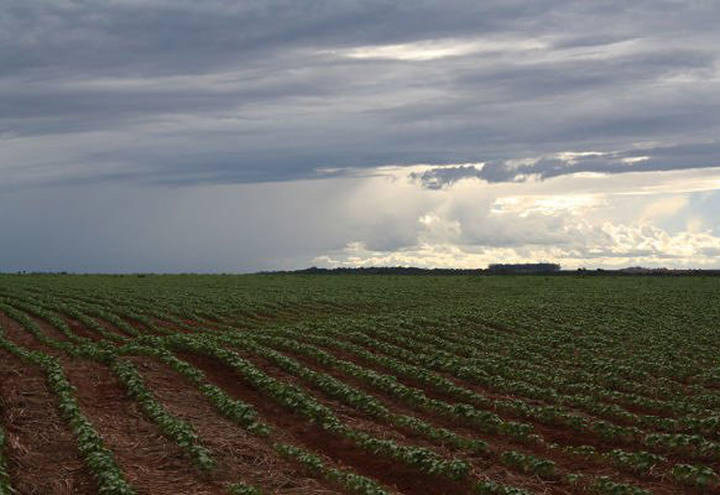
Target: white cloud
{"x":571,"y":157}
{"x":648,"y":241}
{"x":612,"y":246}
{"x":632,"y":160}
{"x":419,"y":51}
{"x":576,"y":220}
{"x":524,"y":206}
{"x":664,"y":207}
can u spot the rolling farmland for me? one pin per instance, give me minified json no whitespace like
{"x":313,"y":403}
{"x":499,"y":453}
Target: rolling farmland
{"x":309,"y":384}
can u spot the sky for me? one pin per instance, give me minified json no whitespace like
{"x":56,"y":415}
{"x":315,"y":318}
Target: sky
{"x":237,"y":136}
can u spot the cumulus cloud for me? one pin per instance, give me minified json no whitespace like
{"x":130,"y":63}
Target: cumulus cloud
{"x":664,"y":207}
{"x":608,"y":245}
{"x":524,"y":206}
{"x":615,"y":221}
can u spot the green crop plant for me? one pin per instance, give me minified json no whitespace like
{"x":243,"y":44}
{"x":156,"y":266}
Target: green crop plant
{"x":349,"y":480}
{"x":98,"y":458}
{"x":701,"y":477}
{"x":243,"y":489}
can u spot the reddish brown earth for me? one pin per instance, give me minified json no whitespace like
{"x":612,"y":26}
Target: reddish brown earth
{"x":500,"y":443}
{"x":485,"y":391}
{"x":637,"y":409}
{"x":239,"y":455}
{"x":151,"y":463}
{"x":486,"y":467}
{"x":111,"y":327}
{"x":313,"y":437}
{"x":137,"y":325}
{"x":155,"y":465}
{"x":42,"y":455}
{"x":79,"y":329}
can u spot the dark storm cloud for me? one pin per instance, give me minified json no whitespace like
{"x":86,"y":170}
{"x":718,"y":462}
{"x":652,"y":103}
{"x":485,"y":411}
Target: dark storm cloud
{"x":636,"y":160}
{"x":184,"y":92}
{"x":437,"y":178}
{"x":163,"y":36}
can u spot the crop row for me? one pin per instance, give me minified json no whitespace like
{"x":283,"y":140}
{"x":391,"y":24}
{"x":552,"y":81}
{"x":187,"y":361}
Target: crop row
{"x":360,"y":400}
{"x":288,"y":394}
{"x":340,"y":390}
{"x":296,"y":400}
{"x":182,"y":433}
{"x":483,"y":420}
{"x":694,"y":446}
{"x":633,"y":462}
{"x":608,"y":380}
{"x":535,"y":346}
{"x":635,"y":467}
{"x":496,"y":358}
{"x":523,"y":463}
{"x":247,"y":417}
{"x":98,"y":458}
{"x":175,"y":429}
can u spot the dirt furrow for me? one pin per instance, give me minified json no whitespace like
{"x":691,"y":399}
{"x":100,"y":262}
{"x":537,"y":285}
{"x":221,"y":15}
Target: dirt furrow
{"x":498,"y":443}
{"x":151,"y":464}
{"x":302,"y":432}
{"x":43,"y":456}
{"x":240,"y":456}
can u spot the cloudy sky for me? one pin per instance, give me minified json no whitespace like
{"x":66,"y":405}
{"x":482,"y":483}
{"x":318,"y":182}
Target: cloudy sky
{"x":225,"y":135}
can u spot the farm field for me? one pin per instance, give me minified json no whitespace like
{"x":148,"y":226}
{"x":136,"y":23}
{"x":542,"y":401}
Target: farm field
{"x":352,"y":384}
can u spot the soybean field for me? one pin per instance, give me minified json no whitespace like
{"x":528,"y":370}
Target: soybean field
{"x":359,"y":384}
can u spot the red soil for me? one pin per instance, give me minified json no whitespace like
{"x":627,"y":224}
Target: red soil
{"x":79,"y":329}
{"x":155,"y":466}
{"x":486,"y":467}
{"x":313,"y":437}
{"x":152,"y":464}
{"x":239,"y":455}
{"x":43,"y":457}
{"x":559,"y":435}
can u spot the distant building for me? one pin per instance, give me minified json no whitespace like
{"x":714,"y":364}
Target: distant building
{"x":524,"y":268}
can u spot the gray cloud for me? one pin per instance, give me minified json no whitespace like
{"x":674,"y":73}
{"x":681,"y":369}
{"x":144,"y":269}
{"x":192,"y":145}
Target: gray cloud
{"x":181,"y":92}
{"x":439,"y":177}
{"x":636,"y":160}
